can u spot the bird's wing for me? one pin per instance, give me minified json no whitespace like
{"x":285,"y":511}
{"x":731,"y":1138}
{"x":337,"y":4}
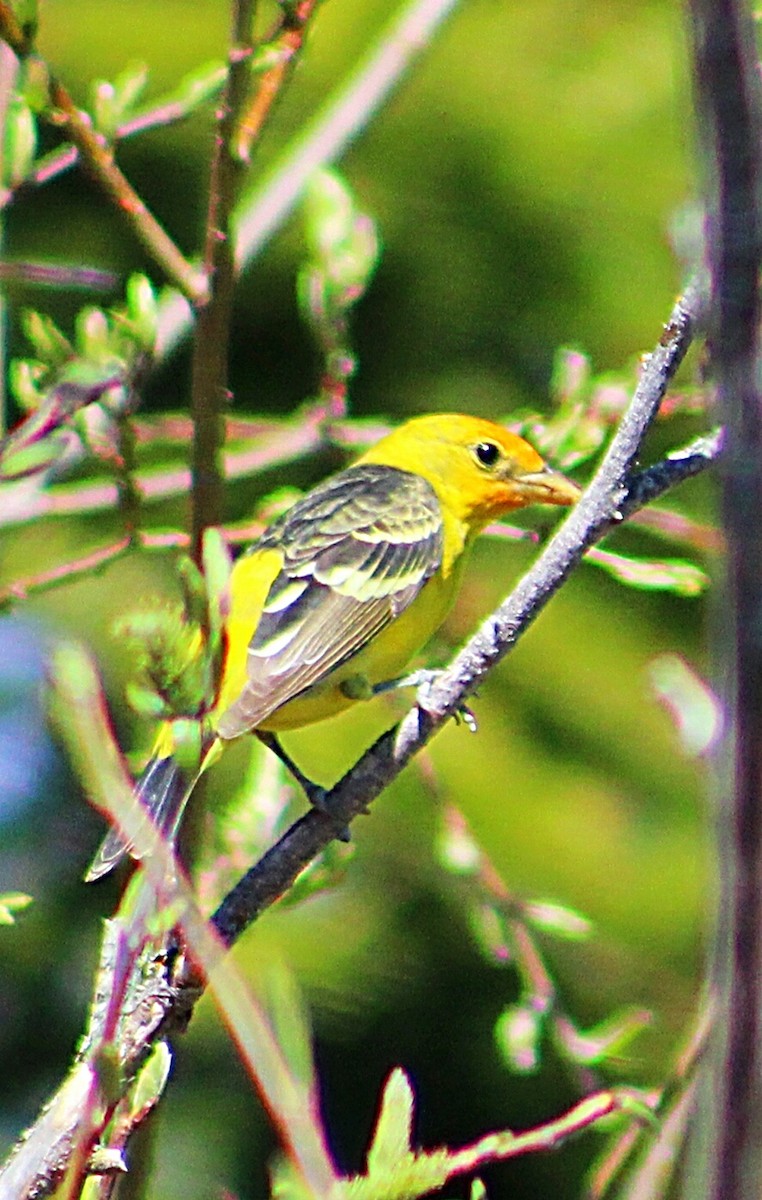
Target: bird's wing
{"x":356,"y":552}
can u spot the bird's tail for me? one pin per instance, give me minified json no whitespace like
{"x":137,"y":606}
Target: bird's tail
{"x":163,"y":789}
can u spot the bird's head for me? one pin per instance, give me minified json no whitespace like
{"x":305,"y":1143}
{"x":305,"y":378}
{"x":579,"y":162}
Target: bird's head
{"x":479,"y":470}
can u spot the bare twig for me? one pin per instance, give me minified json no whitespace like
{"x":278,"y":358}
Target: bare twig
{"x":98,"y":159}
{"x":9,"y":67}
{"x":284,"y":45}
{"x":726,"y":74}
{"x":237,"y":130}
{"x":209,"y":374}
{"x":496,"y":1147}
{"x":69,"y":572}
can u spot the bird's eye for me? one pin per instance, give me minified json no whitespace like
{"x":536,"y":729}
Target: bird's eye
{"x":487,"y":453}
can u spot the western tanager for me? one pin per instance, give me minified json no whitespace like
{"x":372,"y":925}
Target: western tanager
{"x":338,"y":594}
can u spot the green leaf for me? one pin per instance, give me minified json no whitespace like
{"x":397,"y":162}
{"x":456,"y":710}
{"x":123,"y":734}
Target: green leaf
{"x":201,"y":85}
{"x":34,"y":83}
{"x":693,"y":706}
{"x":186,"y":740}
{"x":19,"y":141}
{"x":638,"y":1104}
{"x":30,"y":459}
{"x":558,"y":919}
{"x":50,"y":345}
{"x":12,"y":903}
{"x":456,"y":849}
{"x":343,"y":247}
{"x":104,"y":107}
{"x":194,"y":589}
{"x":113,"y":102}
{"x":413,"y":1176}
{"x":142,"y":310}
{"x":151,"y":1081}
{"x":145,"y":701}
{"x":329,"y":213}
{"x":604,"y":1041}
{"x":674,"y":575}
{"x":488,"y":928}
{"x":519,"y":1031}
{"x":170,"y":659}
{"x":129,"y":86}
{"x":392,"y":1136}
{"x":23,"y":376}
{"x":93,"y":334}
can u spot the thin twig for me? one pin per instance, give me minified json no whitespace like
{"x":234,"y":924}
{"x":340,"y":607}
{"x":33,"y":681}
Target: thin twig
{"x":69,"y":572}
{"x":11,"y":30}
{"x":9,"y":68}
{"x":497,"y":1147}
{"x":98,"y":159}
{"x":726,"y":75}
{"x":155,"y":116}
{"x":209,"y":373}
{"x":278,"y":443}
{"x":285,"y":46}
{"x":90,"y":564}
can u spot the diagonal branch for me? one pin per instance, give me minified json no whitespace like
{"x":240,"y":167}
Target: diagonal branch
{"x":284,"y":46}
{"x":97,"y":157}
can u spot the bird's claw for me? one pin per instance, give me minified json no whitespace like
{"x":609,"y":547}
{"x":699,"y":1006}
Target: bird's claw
{"x":466,"y":716}
{"x":316,"y":794}
{"x":425,"y":680}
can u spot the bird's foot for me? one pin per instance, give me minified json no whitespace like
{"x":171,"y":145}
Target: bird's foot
{"x":423,"y":680}
{"x":313,"y":791}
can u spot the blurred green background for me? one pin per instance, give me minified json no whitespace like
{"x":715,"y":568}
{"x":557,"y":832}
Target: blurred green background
{"x":525,"y":179}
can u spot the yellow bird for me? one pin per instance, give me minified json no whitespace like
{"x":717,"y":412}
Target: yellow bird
{"x":337,"y":595}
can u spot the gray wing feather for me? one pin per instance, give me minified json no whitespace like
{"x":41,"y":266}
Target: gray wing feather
{"x":357,"y":551}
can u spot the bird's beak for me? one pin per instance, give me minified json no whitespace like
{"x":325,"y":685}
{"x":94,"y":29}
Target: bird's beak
{"x":547,"y":486}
